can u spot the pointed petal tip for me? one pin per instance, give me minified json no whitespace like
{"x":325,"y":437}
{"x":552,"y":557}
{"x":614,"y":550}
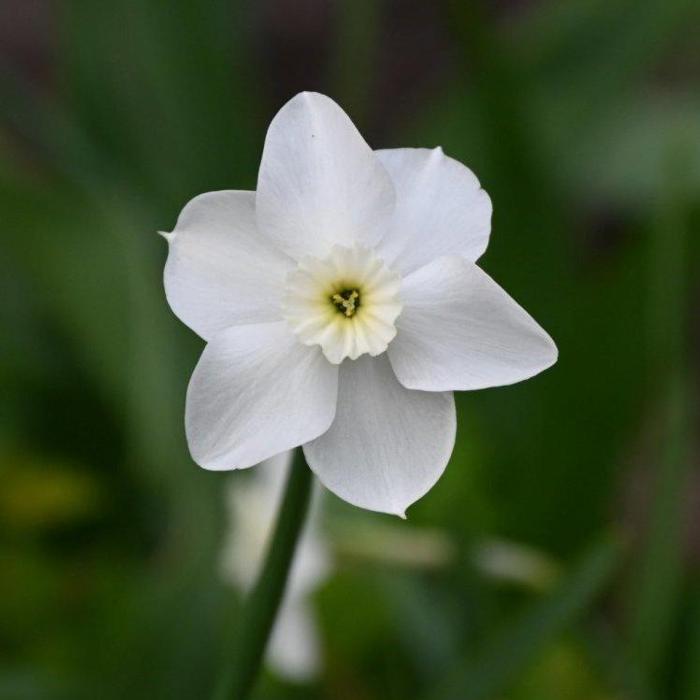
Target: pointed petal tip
{"x":209,"y":467}
{"x":209,"y":463}
{"x":168,"y":235}
{"x":550,"y":356}
{"x":309,"y":96}
{"x":553,"y":351}
{"x":217,"y":464}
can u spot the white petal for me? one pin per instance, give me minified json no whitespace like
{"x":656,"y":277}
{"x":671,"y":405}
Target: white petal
{"x":460,"y":330}
{"x":440,"y":209}
{"x":257,"y":391}
{"x":220,"y":272}
{"x":320,"y":184}
{"x":294,"y":648}
{"x":388,"y":445}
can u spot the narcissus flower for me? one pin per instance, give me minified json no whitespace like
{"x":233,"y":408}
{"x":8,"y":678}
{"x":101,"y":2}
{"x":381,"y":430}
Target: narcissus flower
{"x":341,"y":305}
{"x":294,"y":650}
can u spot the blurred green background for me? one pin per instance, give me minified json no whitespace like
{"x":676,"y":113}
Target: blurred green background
{"x":570,"y":507}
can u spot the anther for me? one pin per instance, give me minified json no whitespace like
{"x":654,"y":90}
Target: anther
{"x":347,"y":301}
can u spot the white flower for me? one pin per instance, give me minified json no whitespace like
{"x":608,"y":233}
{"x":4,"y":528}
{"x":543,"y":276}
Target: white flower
{"x":294,"y":648}
{"x":342,"y":305}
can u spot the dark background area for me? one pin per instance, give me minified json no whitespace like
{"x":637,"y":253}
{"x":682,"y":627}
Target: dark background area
{"x":582,"y":121}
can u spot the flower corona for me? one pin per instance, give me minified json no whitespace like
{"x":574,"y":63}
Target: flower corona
{"x":347,"y":303}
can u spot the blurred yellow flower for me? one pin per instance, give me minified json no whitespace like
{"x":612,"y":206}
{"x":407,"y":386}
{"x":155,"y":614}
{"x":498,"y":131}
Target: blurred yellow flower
{"x":38,"y":494}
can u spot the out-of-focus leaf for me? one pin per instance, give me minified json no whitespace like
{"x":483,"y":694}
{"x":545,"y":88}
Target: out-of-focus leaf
{"x":97,"y":268}
{"x":27,"y":684}
{"x":601,"y":129}
{"x":656,"y":584}
{"x":516,"y":563}
{"x":49,"y":244}
{"x":690,"y":681}
{"x":510,"y":652}
{"x":594,"y":45}
{"x":387,"y":544}
{"x":563,"y":671}
{"x":625,"y":160}
{"x":171,"y":106}
{"x":608,"y":652}
{"x":423,"y":618}
{"x":366,"y":644}
{"x":656,"y":587}
{"x":55,"y":137}
{"x":355,"y":54}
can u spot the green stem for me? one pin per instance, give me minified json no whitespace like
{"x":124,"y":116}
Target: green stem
{"x":260,"y":610}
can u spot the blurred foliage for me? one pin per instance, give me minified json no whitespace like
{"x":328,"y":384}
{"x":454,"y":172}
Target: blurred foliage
{"x":582,"y":120}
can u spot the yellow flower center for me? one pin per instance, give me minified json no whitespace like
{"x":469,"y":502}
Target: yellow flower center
{"x":346,"y":302}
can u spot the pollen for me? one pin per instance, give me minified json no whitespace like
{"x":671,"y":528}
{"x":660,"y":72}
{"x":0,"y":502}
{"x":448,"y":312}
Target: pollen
{"x":347,"y":301}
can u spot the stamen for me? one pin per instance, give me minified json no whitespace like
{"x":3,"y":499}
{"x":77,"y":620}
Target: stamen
{"x":347,"y":301}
